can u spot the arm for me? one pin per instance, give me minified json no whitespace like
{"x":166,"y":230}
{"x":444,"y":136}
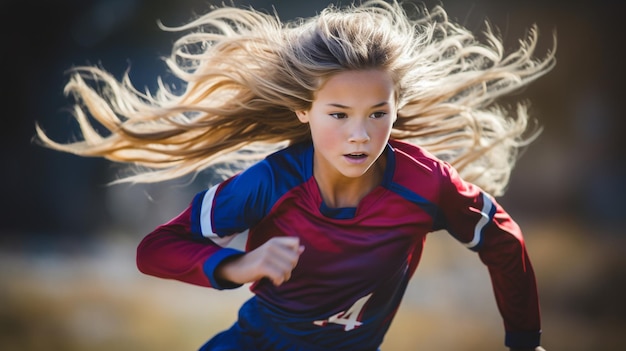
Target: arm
{"x":187,"y":248}
{"x":274,"y":260}
{"x":479,"y":222}
{"x":171,"y":252}
{"x":504,"y":253}
{"x":193,"y":246}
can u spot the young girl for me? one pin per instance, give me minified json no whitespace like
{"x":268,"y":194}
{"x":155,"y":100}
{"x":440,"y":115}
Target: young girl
{"x":330,"y":228}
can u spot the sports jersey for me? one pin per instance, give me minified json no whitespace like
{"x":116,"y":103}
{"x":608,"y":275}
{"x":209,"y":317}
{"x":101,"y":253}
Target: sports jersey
{"x":350,"y":279}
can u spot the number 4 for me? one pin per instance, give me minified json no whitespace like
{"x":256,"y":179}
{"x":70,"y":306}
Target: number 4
{"x":350,"y":318}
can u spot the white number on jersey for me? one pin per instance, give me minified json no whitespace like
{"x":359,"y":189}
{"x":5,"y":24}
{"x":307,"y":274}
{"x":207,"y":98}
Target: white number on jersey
{"x":350,"y":318}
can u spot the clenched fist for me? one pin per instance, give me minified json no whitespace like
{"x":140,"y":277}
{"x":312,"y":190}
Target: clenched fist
{"x":274,"y":260}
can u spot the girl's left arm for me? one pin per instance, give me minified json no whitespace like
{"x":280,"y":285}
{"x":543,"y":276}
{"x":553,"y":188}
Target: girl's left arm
{"x":481,"y":224}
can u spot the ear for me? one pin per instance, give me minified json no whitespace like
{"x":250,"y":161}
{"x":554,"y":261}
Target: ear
{"x":303,"y":116}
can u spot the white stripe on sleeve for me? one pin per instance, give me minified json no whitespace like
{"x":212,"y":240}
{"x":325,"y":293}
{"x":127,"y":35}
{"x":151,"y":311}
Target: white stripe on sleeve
{"x":205,"y":212}
{"x":484,"y":220}
{"x":236,"y":241}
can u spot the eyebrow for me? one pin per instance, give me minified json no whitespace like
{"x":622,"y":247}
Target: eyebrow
{"x":380,"y":104}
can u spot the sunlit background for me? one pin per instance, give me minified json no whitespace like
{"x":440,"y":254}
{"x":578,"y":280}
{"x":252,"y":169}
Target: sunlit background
{"x":68,"y":280}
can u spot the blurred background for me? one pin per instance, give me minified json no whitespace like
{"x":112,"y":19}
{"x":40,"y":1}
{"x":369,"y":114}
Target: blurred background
{"x":68,"y":279}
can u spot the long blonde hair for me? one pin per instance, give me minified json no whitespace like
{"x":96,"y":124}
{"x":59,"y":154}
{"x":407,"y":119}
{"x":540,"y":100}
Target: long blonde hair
{"x":245,"y":73}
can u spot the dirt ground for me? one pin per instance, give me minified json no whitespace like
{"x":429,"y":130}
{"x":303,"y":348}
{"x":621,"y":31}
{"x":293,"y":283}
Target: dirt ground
{"x":92,"y":298}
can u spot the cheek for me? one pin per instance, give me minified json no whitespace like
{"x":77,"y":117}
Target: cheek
{"x":382,"y":133}
{"x":325,"y":135}
{"x":378,"y":131}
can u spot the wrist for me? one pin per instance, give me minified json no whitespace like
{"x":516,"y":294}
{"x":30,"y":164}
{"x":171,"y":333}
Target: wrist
{"x":217,"y":277}
{"x":228,"y":270}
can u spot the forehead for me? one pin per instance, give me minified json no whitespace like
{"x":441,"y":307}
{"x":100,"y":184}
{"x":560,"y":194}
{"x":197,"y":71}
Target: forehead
{"x":357,"y":86}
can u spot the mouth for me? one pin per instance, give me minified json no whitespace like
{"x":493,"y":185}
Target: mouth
{"x":356,"y":155}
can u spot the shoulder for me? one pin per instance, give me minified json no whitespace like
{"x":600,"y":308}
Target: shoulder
{"x":291,"y":165}
{"x":296,"y":158}
{"x":418,"y":171}
{"x":245,"y":198}
{"x":411,"y":158}
{"x":274,"y":175}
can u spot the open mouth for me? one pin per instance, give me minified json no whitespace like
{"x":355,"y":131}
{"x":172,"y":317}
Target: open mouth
{"x":356,"y":156}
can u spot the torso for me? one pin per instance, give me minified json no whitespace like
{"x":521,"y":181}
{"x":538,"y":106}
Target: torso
{"x":356,"y":258}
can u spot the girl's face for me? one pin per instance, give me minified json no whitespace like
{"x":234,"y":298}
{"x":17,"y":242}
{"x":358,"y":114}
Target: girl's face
{"x":350,"y":121}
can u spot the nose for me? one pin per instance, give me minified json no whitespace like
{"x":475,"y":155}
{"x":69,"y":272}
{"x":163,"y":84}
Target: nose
{"x":359,"y":133}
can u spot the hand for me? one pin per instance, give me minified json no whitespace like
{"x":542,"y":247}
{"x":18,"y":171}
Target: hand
{"x":538,"y":348}
{"x":273,"y":260}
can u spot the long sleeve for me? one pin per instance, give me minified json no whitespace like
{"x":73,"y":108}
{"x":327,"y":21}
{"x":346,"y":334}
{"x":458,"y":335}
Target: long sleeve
{"x":504,"y":252}
{"x":482,"y":225}
{"x":212,"y":229}
{"x":171,"y":252}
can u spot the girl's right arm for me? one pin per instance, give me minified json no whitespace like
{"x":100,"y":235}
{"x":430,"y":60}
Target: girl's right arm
{"x":171,"y":252}
{"x":274,"y":260}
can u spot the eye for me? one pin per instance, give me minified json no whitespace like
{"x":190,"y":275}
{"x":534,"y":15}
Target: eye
{"x":379,"y":114}
{"x":339,"y":115}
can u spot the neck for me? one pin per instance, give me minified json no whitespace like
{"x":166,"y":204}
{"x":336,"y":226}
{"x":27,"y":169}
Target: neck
{"x":341,"y":191}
